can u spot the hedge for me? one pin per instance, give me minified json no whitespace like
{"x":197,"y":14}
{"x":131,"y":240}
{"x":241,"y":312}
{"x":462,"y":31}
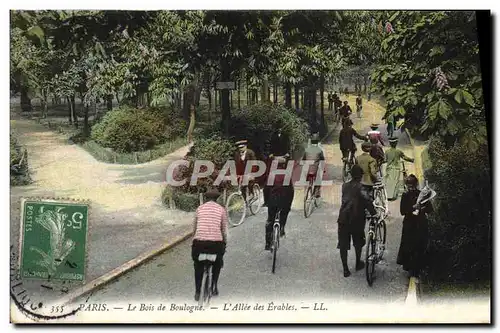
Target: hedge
{"x":107,"y":155}
{"x":460,"y":226}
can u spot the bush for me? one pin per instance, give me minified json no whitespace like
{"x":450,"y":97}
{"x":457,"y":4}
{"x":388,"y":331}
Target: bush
{"x":21,"y":176}
{"x":459,"y":229}
{"x":258,"y":122}
{"x":128,"y":130}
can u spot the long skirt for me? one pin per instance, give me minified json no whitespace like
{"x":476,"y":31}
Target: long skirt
{"x":392,"y":182}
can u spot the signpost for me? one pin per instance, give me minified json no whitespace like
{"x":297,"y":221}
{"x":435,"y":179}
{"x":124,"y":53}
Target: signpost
{"x":225,"y":86}
{"x":53,"y":239}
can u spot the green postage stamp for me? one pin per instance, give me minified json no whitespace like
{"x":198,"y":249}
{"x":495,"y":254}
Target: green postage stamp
{"x":53,"y":239}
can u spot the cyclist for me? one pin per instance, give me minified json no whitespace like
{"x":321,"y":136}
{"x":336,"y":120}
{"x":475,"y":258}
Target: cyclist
{"x":377,"y":152}
{"x":369,"y":167}
{"x":345,"y":110}
{"x":210,"y":236}
{"x":241,"y":158}
{"x":359,"y":105}
{"x":336,"y":103}
{"x":278,"y":146}
{"x":280,"y":194}
{"x":393,"y":158}
{"x":352,"y":220}
{"x":314,"y":153}
{"x":330,"y":101}
{"x":346,"y":141}
{"x":375,"y":135}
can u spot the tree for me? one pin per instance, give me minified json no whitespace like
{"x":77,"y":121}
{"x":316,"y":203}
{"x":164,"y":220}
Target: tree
{"x":430,"y":75}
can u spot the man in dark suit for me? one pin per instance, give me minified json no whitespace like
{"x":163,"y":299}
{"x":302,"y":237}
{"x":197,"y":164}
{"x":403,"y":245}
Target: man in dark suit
{"x":241,"y":157}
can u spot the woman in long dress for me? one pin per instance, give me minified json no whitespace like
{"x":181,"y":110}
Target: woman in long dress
{"x":393,"y":157}
{"x":415,"y":229}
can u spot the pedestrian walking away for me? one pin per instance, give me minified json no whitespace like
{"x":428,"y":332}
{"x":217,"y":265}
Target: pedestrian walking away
{"x":352,"y":219}
{"x":210,"y":236}
{"x":359,"y":106}
{"x":393,"y":157}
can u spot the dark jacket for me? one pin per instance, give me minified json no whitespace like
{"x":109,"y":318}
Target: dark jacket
{"x":354,"y":202}
{"x":346,"y":141}
{"x":345,"y":110}
{"x":280,"y":145}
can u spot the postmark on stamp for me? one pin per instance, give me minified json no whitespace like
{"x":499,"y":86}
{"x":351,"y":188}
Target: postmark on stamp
{"x":51,"y":256}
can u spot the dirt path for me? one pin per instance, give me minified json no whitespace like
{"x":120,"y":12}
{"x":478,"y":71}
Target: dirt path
{"x":126,"y":212}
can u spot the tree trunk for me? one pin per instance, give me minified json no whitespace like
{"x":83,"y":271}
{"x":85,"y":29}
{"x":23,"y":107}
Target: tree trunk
{"x":296,"y":93}
{"x":225,"y":107}
{"x":268,"y":94}
{"x":264,"y":90}
{"x":239,"y":94}
{"x":70,"y":111}
{"x":25,"y":100}
{"x":73,"y":111}
{"x":109,"y":102}
{"x":323,"y":127}
{"x":45,"y":103}
{"x":288,"y":95}
{"x":365,"y":81}
{"x":231,"y":98}
{"x":275,"y":93}
{"x":192,"y":120}
{"x":209,"y":96}
{"x":117,"y":99}
{"x":86,"y":128}
{"x":302,"y":98}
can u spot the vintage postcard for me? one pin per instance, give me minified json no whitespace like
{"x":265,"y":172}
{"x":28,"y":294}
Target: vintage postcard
{"x":274,"y":166}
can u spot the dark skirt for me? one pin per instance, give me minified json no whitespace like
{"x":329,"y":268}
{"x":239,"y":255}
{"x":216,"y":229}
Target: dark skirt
{"x":210,"y":247}
{"x":413,"y":243}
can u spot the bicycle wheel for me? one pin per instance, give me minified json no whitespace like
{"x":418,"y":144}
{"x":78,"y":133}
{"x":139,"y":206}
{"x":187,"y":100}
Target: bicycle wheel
{"x":345,"y":172}
{"x":236,"y":209}
{"x":316,"y":200}
{"x":205,"y":286}
{"x":308,"y":205}
{"x":275,"y":246}
{"x":370,"y":259}
{"x":381,"y":238}
{"x":255,"y":202}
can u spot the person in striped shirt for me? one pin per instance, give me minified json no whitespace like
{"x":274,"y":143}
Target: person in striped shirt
{"x":210,"y":236}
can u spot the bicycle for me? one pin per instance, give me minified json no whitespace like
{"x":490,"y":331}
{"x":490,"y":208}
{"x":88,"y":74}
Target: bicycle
{"x":346,"y":169}
{"x":380,"y":201}
{"x":377,"y":233}
{"x":275,"y":243}
{"x":206,"y":282}
{"x":310,"y":199}
{"x":237,"y":201}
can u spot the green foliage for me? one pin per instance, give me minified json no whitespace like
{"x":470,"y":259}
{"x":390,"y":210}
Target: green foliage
{"x":19,"y":162}
{"x":406,"y":77}
{"x":460,"y":227}
{"x":257,"y":123}
{"x":130,"y":130}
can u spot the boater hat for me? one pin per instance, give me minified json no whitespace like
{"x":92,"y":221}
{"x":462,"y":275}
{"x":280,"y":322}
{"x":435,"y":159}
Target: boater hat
{"x":241,"y":143}
{"x":393,"y":140}
{"x":373,"y":125}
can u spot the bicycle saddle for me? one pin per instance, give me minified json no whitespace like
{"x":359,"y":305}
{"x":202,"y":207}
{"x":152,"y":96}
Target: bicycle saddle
{"x":207,"y":256}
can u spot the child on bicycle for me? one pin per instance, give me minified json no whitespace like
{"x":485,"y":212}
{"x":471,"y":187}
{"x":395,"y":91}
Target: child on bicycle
{"x":210,"y":236}
{"x":352,"y":219}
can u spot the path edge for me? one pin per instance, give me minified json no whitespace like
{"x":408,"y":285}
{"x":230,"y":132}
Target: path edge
{"x":175,"y":237}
